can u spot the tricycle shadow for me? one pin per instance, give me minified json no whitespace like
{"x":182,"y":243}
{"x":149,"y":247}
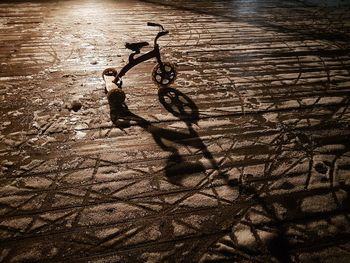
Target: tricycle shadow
{"x":170,"y":140}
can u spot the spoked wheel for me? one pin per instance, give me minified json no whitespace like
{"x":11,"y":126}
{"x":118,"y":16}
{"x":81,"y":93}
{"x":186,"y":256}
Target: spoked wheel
{"x":164,"y":76}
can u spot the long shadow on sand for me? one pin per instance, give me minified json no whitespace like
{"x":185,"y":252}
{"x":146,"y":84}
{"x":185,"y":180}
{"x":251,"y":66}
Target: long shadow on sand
{"x":181,"y":106}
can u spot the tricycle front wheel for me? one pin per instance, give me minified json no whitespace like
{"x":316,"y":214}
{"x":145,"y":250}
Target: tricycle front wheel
{"x":164,"y":75}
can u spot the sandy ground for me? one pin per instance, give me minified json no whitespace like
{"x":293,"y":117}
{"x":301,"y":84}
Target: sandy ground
{"x":245,"y":158}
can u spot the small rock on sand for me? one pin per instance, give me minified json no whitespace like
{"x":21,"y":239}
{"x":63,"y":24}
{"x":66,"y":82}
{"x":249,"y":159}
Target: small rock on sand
{"x":75,"y":105}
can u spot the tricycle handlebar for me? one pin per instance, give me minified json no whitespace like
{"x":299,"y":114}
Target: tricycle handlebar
{"x":155,"y":24}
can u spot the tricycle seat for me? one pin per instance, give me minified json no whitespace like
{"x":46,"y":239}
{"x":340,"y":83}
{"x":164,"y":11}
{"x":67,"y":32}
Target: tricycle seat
{"x":136,"y":46}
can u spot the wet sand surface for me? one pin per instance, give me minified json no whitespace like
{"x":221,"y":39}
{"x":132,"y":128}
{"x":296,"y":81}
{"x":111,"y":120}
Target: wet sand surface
{"x":246,"y":158}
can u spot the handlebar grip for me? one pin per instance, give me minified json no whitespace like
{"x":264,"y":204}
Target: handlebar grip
{"x":155,"y":24}
{"x":152,"y":24}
